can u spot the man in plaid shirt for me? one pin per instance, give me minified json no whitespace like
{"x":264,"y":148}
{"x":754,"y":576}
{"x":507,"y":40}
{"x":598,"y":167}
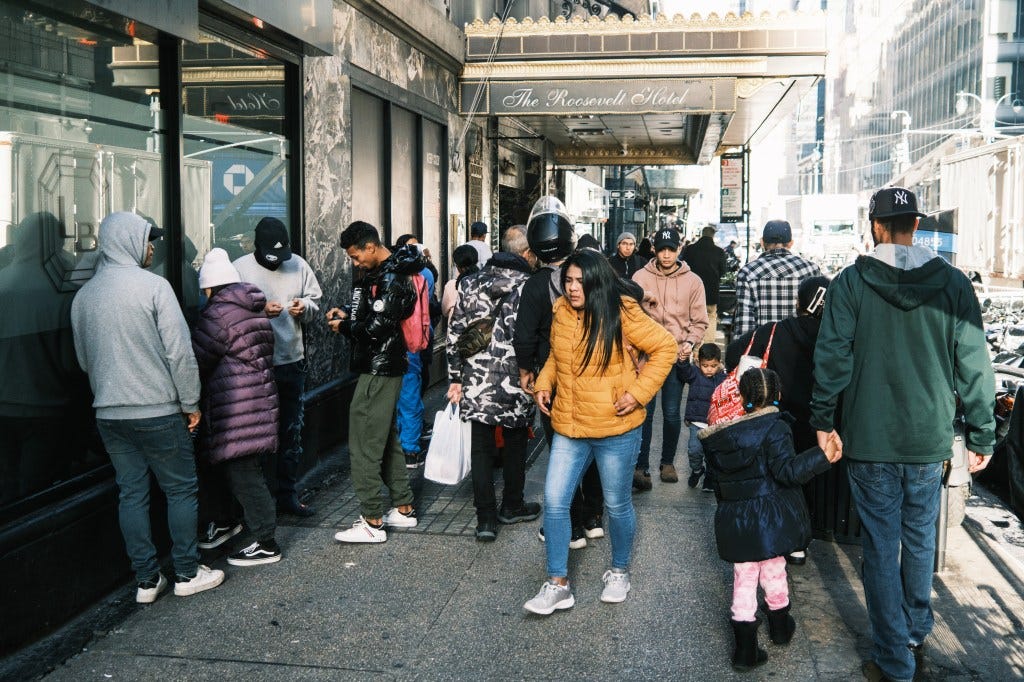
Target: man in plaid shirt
{"x":766,"y":287}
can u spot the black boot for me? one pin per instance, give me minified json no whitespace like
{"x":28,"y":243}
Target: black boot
{"x":748,"y":655}
{"x":781,"y":625}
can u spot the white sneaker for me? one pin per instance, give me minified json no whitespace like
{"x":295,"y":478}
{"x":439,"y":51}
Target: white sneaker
{"x":397,"y":519}
{"x":616,"y":586}
{"x":206,"y":578}
{"x":147,"y":592}
{"x":551,"y":597}
{"x":362,"y":532}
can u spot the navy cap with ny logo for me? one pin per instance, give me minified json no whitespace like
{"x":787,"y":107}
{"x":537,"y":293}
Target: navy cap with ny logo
{"x":893,"y":201}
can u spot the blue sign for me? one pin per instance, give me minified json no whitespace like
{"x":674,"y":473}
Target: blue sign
{"x":936,"y":241}
{"x":233,"y":171}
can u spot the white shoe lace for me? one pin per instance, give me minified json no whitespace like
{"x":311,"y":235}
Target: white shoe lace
{"x":614,"y":577}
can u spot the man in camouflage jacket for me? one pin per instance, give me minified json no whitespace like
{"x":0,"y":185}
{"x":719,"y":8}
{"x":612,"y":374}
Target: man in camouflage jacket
{"x":486,"y":385}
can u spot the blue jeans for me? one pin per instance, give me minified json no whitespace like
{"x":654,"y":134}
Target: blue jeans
{"x":671,"y":424}
{"x":898,"y":506}
{"x":569,"y":458}
{"x":291,"y":382}
{"x":410,"y":404}
{"x":161,"y":445}
{"x":694,"y":448}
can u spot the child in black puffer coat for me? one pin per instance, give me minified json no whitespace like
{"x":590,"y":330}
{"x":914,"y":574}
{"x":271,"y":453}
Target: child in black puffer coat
{"x":761,"y":513}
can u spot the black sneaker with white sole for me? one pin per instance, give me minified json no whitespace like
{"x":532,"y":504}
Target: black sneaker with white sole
{"x":527,"y":511}
{"x":217,"y":533}
{"x":265,"y":552}
{"x":577,"y":540}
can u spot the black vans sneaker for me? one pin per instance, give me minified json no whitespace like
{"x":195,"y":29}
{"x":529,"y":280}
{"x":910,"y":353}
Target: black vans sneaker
{"x":265,"y":552}
{"x":217,"y":533}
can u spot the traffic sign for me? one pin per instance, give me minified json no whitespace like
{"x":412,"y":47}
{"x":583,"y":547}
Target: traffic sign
{"x":622,"y":194}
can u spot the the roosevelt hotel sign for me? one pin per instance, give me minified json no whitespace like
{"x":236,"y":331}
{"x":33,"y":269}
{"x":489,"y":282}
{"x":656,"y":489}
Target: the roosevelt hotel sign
{"x":619,"y":96}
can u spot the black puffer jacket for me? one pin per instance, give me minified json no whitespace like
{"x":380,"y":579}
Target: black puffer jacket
{"x":761,"y":511}
{"x":380,"y":302}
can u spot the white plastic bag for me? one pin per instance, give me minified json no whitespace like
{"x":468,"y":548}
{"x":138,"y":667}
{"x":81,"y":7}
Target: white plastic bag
{"x":448,"y":457}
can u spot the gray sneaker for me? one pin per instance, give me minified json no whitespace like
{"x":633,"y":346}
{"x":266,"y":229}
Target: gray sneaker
{"x":616,"y":586}
{"x":551,"y":597}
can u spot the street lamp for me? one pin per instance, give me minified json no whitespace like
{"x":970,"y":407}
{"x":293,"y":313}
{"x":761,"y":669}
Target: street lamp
{"x":988,"y":114}
{"x":901,"y":154}
{"x":961,"y":101}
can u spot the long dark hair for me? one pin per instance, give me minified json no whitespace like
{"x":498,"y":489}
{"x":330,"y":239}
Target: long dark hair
{"x":602,"y":309}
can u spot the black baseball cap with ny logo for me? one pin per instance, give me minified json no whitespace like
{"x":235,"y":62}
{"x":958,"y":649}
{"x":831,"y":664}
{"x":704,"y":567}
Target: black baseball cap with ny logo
{"x":893,"y":201}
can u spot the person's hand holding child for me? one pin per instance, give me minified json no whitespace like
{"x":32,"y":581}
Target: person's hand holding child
{"x":833,"y":448}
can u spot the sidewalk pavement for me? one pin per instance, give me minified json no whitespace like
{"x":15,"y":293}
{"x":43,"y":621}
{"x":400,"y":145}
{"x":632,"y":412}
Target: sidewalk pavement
{"x":433,"y":604}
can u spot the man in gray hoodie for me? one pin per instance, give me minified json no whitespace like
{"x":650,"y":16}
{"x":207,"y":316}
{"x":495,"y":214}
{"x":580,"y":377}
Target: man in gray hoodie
{"x":131,"y":338}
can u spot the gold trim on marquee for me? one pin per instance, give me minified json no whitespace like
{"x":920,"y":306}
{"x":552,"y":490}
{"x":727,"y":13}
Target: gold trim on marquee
{"x":651,"y":156}
{"x":624,"y":68}
{"x":645,"y":23}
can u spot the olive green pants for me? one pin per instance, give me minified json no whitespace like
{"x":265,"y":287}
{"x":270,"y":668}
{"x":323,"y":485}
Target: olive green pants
{"x":374,"y":448}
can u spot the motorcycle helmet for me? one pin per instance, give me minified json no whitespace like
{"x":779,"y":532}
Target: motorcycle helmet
{"x":550,"y":230}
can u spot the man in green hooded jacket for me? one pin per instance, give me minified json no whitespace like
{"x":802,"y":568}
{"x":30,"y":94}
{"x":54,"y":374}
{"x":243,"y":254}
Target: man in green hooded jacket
{"x":900,"y":339}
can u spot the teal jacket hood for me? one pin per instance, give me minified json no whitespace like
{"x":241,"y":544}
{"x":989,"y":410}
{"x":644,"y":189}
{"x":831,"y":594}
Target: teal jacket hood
{"x":905,"y":288}
{"x":123,"y":239}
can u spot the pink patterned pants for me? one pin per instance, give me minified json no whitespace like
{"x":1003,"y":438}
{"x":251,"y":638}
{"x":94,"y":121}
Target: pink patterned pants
{"x":772,"y":576}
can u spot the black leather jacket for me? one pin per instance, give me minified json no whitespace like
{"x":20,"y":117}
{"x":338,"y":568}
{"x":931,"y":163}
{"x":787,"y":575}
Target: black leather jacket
{"x":380,"y":302}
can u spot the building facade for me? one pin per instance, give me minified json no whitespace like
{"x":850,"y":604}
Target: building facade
{"x":207,"y":115}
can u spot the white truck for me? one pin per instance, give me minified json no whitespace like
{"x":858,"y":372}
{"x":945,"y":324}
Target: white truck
{"x":825,"y":228}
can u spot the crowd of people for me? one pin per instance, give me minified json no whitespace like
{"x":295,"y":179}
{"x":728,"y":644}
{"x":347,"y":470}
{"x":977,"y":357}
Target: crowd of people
{"x":867,"y":368}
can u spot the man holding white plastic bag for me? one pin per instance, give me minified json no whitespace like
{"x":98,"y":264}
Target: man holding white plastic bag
{"x":484,"y":380}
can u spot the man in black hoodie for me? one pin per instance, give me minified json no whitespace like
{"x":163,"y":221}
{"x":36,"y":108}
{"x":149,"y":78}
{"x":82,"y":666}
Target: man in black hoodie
{"x":380,"y":302}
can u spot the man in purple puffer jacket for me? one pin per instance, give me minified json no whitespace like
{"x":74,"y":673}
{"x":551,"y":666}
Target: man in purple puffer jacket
{"x":234,"y":346}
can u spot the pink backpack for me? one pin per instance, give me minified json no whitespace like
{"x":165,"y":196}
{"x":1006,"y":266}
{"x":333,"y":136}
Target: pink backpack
{"x":726,"y":402}
{"x":416,"y":327}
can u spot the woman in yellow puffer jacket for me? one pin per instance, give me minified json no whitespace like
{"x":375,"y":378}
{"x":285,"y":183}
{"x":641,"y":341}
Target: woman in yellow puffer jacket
{"x":596,"y":336}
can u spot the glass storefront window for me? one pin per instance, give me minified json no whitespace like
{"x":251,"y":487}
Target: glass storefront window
{"x":77,"y":142}
{"x":368,"y":181}
{"x":397,"y":182}
{"x":405,"y":213}
{"x":237,"y":151}
{"x":432,"y":156}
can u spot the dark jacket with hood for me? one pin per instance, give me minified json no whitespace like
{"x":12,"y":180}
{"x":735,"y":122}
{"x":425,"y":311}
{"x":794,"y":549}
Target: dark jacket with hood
{"x":761,"y":511}
{"x":792,"y":357}
{"x":490,"y":378}
{"x":902,"y":331}
{"x":234,"y":346}
{"x":41,"y":377}
{"x":380,"y":301}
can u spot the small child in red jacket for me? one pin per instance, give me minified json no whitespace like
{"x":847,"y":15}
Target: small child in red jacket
{"x":234,"y":347}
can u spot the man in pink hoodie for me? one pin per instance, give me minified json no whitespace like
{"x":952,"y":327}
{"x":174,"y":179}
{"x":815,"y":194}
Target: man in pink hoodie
{"x":674,"y":297}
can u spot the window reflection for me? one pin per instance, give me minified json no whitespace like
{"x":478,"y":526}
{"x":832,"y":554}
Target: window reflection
{"x":236,"y":149}
{"x":77,"y":142}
